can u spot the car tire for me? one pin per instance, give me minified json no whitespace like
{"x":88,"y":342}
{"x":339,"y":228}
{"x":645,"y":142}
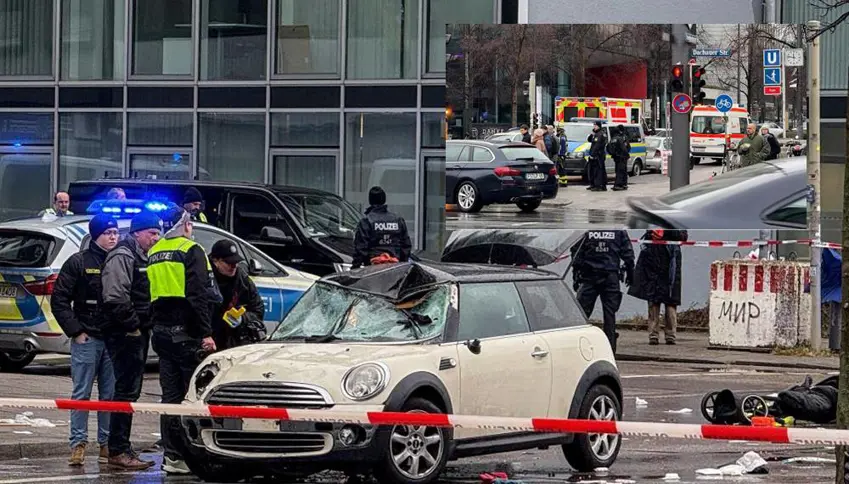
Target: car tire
{"x":529,"y":206}
{"x":695,"y":160}
{"x":15,"y":360}
{"x":581,"y":453}
{"x":402,"y":438}
{"x":637,"y":168}
{"x":468,"y":197}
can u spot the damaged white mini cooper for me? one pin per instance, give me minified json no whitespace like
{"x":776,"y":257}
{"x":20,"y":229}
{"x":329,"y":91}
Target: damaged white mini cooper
{"x":412,"y":337}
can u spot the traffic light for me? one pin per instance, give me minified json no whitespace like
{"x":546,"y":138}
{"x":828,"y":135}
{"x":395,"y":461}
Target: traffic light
{"x":677,"y":82}
{"x":449,"y":112}
{"x":535,"y":121}
{"x":697,"y":82}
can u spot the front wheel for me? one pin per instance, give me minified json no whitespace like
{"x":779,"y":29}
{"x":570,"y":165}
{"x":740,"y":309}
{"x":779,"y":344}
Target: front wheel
{"x":528,"y":206}
{"x":589,"y":451}
{"x":414,"y":454}
{"x":15,"y":360}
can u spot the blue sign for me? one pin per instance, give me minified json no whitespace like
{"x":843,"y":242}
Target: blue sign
{"x":772,"y":57}
{"x":724,"y":103}
{"x":772,"y":76}
{"x":682,"y":103}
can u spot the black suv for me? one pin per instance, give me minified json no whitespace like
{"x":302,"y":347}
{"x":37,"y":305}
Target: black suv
{"x":310,"y":230}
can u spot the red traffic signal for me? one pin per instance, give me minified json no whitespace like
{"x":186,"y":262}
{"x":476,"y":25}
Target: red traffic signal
{"x":677,"y":81}
{"x":697,"y":83}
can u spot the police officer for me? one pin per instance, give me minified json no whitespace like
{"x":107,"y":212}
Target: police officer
{"x":230,"y":327}
{"x":192,"y":203}
{"x":380,"y":232}
{"x":77,"y":305}
{"x":182,"y":293}
{"x":597,"y":270}
{"x":61,"y":205}
{"x":126,"y":302}
{"x":621,"y":152}
{"x":596,"y":172}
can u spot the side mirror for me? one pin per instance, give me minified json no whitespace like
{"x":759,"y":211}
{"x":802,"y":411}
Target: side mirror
{"x":474,"y":346}
{"x":273,"y":234}
{"x":254,"y":267}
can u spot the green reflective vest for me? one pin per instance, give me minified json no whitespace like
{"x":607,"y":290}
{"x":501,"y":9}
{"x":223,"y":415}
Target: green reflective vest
{"x":166,"y":267}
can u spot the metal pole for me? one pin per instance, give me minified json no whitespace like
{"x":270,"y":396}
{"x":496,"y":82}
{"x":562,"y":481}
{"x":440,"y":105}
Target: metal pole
{"x":679,"y":166}
{"x":663,"y":105}
{"x":532,"y":98}
{"x":814,"y":204}
{"x":739,"y":68}
{"x":784,"y":95}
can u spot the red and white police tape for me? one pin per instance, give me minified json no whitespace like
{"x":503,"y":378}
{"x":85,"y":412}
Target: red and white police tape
{"x":738,"y":243}
{"x":811,"y":436}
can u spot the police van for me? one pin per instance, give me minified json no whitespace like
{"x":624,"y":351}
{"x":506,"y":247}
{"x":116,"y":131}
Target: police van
{"x":577,"y":131}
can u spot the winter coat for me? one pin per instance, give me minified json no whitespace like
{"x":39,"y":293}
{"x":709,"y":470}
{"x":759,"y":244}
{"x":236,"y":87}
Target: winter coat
{"x":77,"y":301}
{"x":238,"y":291}
{"x":657,"y":278}
{"x":539,"y":141}
{"x":752,"y":150}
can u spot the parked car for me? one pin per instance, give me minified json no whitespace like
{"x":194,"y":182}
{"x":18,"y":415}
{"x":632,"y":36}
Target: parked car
{"x":480,"y":173}
{"x":33,"y":250}
{"x":767,"y":195}
{"x":310,"y":230}
{"x":774,"y":128}
{"x":509,"y":136}
{"x":655,"y":146}
{"x":579,"y":148}
{"x":415,"y":338}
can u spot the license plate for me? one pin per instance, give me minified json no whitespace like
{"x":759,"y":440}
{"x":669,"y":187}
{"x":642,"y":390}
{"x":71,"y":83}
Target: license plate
{"x":535,"y":176}
{"x":8,"y":291}
{"x":259,"y":425}
{"x":10,"y":331}
{"x":698,"y":148}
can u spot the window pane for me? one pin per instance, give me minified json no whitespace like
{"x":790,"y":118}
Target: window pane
{"x":434,"y":224}
{"x":24,"y":184}
{"x":433,"y":130}
{"x":550,"y":305}
{"x":383,"y":39}
{"x":384,"y":155}
{"x":26,"y":129}
{"x":92,"y":39}
{"x":441,"y":12}
{"x":489,"y":310}
{"x":159,"y":129}
{"x":26,"y":37}
{"x":233,"y":39}
{"x":307,"y":37}
{"x":161,"y":166}
{"x":89,"y":146}
{"x":231,"y":146}
{"x":317,"y":172}
{"x":162,"y":37}
{"x":305,"y":129}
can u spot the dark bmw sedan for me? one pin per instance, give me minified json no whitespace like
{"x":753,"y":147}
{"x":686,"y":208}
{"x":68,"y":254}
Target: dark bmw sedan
{"x":480,"y":173}
{"x":768,"y":196}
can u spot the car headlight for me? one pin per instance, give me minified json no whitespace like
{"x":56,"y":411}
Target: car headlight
{"x":365,"y":381}
{"x":205,"y":377}
{"x":341,"y":267}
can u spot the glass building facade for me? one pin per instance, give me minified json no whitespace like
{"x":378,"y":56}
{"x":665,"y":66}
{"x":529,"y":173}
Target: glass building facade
{"x":338,"y":95}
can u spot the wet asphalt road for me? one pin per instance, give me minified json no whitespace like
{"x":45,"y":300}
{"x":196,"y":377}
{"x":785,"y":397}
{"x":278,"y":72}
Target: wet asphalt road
{"x":642,"y":460}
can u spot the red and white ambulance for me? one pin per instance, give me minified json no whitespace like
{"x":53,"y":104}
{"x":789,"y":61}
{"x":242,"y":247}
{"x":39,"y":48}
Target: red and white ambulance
{"x":711,"y":131}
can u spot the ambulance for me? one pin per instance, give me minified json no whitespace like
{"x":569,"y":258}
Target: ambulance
{"x":615,"y":111}
{"x":708,"y":134}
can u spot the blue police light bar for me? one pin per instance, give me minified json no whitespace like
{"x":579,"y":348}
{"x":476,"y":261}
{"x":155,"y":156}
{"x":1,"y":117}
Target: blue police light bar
{"x":127,"y":207}
{"x":155,"y":206}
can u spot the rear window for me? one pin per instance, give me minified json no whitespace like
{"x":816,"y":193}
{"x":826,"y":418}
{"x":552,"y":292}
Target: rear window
{"x":724,"y":181}
{"x":26,"y":249}
{"x":523,"y":153}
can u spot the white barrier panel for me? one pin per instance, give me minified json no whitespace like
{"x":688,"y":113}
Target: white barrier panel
{"x":759,"y":303}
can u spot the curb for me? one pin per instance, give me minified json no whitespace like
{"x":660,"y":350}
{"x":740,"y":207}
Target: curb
{"x":38,"y":450}
{"x":709,"y":361}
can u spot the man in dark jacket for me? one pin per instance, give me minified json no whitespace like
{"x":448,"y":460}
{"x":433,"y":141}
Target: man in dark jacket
{"x":621,"y":152}
{"x":596,"y":171}
{"x":774,"y":147}
{"x":380,"y":232}
{"x":77,"y":305}
{"x":126,"y":302}
{"x":599,"y":259}
{"x":230,"y":327}
{"x":193,"y":203}
{"x":526,"y":135}
{"x":657,"y":280}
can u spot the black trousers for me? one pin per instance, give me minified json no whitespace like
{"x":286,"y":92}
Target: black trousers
{"x":604,"y":285}
{"x":621,"y":173}
{"x":178,"y":359}
{"x":600,"y":173}
{"x":128,"y":354}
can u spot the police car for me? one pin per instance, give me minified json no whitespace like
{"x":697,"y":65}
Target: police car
{"x":578,"y":149}
{"x":33,"y":250}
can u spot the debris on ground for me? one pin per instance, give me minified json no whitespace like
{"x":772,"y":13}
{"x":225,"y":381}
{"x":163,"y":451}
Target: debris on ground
{"x":642,"y":403}
{"x":809,"y":460}
{"x":683,"y":410}
{"x":750,"y":463}
{"x":26,"y":420}
{"x":671,"y":476}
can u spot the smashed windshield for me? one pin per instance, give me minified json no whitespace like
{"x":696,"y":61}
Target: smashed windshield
{"x":328,"y":312}
{"x":322,"y":216}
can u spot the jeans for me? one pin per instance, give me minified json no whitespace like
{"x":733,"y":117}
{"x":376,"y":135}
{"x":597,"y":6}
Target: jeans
{"x":603,"y":285}
{"x":128,"y":355}
{"x":90,"y":360}
{"x":178,"y":359}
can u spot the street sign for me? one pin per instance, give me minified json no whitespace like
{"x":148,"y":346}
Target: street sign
{"x":772,"y":57}
{"x":772,"y":90}
{"x":772,"y":76}
{"x":711,"y":52}
{"x":692,"y":62}
{"x":723,"y":103}
{"x":682,"y":103}
{"x":794,"y":57}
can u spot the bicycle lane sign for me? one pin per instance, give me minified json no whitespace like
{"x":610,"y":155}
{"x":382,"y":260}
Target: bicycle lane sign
{"x":723,"y":103}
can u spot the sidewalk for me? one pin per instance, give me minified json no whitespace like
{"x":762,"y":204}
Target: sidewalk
{"x":693,"y":348}
{"x":27,"y":441}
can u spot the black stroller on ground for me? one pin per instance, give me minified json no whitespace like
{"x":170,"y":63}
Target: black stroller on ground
{"x":810,"y":402}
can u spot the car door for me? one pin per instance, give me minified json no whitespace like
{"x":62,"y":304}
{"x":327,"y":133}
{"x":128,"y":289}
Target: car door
{"x":455,"y":156}
{"x":608,"y":160}
{"x":479,"y":168}
{"x":555,"y":316}
{"x":510,"y":375}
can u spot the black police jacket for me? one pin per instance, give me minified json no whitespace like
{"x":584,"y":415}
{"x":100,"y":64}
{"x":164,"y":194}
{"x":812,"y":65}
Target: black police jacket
{"x":126,"y":289}
{"x":603,"y":251}
{"x":238,"y":291}
{"x":379,"y":232}
{"x":77,"y":300}
{"x":598,"y":145}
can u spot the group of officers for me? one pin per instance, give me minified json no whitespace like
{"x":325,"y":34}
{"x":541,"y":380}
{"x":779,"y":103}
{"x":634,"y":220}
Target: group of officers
{"x":156,"y":286}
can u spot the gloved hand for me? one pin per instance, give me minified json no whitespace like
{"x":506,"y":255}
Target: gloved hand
{"x":233,"y":316}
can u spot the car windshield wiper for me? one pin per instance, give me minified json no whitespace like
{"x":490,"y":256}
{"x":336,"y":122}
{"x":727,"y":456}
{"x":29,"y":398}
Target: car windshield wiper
{"x":321,"y":338}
